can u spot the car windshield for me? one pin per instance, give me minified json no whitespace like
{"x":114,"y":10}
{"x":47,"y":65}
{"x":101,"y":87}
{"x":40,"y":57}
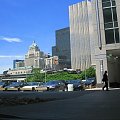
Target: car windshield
{"x":15,"y":83}
{"x":91,"y":78}
{"x":73,"y":81}
{"x":31,"y":83}
{"x":52,"y":82}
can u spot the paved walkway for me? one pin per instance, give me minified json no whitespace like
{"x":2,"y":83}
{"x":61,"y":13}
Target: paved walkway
{"x":101,"y":89}
{"x":82,"y":105}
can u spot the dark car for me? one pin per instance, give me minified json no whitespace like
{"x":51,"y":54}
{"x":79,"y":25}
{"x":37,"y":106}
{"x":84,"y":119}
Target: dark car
{"x":89,"y":81}
{"x":3,"y":84}
{"x":15,"y":85}
{"x":54,"y":85}
{"x":77,"y":85}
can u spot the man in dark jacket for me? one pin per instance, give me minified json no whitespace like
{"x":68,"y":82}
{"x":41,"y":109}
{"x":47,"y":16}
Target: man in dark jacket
{"x":105,"y":80}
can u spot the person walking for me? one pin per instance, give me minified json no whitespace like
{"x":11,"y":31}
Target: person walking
{"x":105,"y":80}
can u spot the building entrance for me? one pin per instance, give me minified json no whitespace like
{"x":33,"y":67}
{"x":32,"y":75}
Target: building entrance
{"x":113,"y":62}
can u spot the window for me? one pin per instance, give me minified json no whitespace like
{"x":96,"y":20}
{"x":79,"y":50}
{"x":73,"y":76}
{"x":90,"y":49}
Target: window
{"x":112,"y":36}
{"x":110,"y":21}
{"x":107,"y":4}
{"x":115,"y":24}
{"x":109,"y":35}
{"x":113,"y":3}
{"x":114,"y":14}
{"x":107,"y":15}
{"x":108,"y":25}
{"x":117,"y":35}
{"x":105,"y":0}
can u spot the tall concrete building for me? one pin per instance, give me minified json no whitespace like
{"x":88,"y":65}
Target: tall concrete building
{"x":34,"y":58}
{"x":95,"y":37}
{"x":106,"y":23}
{"x":80,"y":34}
{"x":62,"y":48}
{"x":51,"y":63}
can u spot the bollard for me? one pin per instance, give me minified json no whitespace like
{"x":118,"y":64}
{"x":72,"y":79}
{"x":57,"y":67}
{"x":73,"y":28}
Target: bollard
{"x":70,"y":87}
{"x":90,"y":86}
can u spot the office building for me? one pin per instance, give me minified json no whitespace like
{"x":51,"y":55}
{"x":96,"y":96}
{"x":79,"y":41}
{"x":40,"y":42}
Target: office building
{"x":51,"y":63}
{"x":94,"y":37}
{"x":81,"y":34}
{"x":106,"y":23}
{"x":62,"y":48}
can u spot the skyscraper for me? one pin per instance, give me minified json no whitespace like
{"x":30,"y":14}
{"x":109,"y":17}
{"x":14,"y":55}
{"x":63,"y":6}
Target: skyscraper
{"x":62,"y":48}
{"x":80,"y":34}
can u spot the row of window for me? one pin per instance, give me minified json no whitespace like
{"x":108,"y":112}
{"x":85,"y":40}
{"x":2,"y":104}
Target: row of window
{"x":22,"y":72}
{"x":112,"y":36}
{"x":110,"y":21}
{"x":108,"y":3}
{"x":110,"y":17}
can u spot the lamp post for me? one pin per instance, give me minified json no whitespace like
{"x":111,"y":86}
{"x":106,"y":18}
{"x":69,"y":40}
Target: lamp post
{"x":85,"y":69}
{"x":45,"y":68}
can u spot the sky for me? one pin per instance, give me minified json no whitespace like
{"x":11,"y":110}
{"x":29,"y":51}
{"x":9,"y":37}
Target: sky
{"x":25,"y":21}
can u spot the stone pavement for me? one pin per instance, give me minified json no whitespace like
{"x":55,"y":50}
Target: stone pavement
{"x":81,"y":105}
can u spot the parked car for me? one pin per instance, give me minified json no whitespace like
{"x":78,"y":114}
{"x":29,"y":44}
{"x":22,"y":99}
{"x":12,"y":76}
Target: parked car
{"x":3,"y":84}
{"x":15,"y":85}
{"x":55,"y":85}
{"x":89,"y":81}
{"x":31,"y":85}
{"x":77,"y":84}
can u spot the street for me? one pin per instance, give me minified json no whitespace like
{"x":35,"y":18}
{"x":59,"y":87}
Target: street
{"x":79,"y":105}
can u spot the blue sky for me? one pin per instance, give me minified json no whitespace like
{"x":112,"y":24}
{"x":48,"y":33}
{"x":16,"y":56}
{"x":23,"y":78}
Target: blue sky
{"x":23,"y":21}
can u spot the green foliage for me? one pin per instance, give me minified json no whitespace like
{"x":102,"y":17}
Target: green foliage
{"x":40,"y":77}
{"x":89,"y":73}
{"x":62,"y":76}
{"x":37,"y":76}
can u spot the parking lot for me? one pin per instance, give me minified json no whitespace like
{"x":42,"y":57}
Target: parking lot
{"x":53,"y":85}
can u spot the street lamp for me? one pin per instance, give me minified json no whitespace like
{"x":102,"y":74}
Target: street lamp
{"x":45,"y":72}
{"x":85,"y":69}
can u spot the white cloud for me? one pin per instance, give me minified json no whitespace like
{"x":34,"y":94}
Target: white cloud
{"x":9,"y":39}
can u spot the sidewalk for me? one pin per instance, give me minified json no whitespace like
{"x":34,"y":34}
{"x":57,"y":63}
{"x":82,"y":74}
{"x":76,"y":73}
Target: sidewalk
{"x":101,"y":89}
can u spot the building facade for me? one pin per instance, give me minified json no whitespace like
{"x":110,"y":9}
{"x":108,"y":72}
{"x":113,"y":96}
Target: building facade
{"x":80,"y":34}
{"x":51,"y":63}
{"x":18,"y":63}
{"x":20,"y":71}
{"x":62,"y":48}
{"x":95,"y":37}
{"x":106,"y":23}
{"x":34,"y":58}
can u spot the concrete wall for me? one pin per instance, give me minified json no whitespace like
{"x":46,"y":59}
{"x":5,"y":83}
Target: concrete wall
{"x":100,"y":58}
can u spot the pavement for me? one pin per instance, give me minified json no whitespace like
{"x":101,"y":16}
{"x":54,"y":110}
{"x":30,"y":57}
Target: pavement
{"x":78,"y":105}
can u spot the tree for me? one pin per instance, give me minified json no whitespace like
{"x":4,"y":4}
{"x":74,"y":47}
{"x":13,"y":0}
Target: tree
{"x":36,"y":76}
{"x":90,"y":72}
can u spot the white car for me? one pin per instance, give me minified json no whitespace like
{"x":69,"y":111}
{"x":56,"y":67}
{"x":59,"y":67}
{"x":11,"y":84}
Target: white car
{"x":31,"y":85}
